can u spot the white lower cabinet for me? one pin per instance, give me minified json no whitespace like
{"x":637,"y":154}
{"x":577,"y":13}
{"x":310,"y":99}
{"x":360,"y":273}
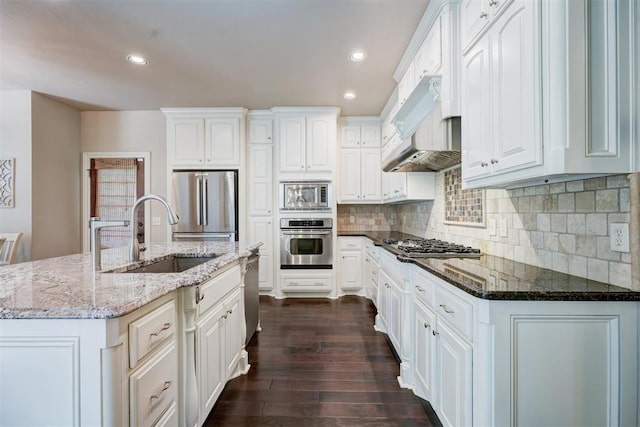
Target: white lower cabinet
{"x":522,"y":363}
{"x":214,"y":336}
{"x":390,"y":307}
{"x":350,"y":268}
{"x":453,"y":368}
{"x":209,"y":369}
{"x":218,"y":345}
{"x":370,"y":271}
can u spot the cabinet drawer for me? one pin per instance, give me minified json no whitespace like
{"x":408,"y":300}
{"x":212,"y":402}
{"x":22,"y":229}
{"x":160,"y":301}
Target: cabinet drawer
{"x":455,"y":311}
{"x":151,"y":330}
{"x":374,"y":293}
{"x":154,"y":387}
{"x":214,"y":290}
{"x":306,"y":284}
{"x":424,"y":286}
{"x":350,"y":243}
{"x":392,"y":267}
{"x":170,"y":418}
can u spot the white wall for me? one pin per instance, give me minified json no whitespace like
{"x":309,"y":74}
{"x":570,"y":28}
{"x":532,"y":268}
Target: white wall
{"x":56,"y":157}
{"x":132,"y":131}
{"x":15,"y":141}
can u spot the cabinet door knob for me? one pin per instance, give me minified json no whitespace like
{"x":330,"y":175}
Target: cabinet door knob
{"x":484,"y":164}
{"x":426,"y":325}
{"x":494,"y":161}
{"x":483,"y":15}
{"x":419,"y":288}
{"x":434,"y":332}
{"x":493,"y":3}
{"x":268,"y":137}
{"x":302,"y":167}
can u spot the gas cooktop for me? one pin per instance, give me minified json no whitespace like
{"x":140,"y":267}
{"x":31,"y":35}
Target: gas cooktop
{"x":432,"y":248}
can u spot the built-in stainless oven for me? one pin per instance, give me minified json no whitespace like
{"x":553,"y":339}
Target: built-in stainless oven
{"x":306,"y":243}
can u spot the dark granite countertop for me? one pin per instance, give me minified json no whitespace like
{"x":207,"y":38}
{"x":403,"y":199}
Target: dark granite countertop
{"x":496,"y":278}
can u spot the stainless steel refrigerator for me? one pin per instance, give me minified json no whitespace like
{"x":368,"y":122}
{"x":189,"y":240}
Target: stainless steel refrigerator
{"x":206,"y":202}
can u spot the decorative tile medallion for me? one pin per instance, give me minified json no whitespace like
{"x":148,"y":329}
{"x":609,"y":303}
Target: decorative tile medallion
{"x":462,"y":207}
{"x":7,"y":177}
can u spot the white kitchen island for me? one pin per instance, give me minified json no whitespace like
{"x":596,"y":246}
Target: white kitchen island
{"x":84,"y":348}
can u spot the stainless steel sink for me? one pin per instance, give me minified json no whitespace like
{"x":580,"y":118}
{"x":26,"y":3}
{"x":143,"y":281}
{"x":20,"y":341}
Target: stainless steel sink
{"x":175,"y":264}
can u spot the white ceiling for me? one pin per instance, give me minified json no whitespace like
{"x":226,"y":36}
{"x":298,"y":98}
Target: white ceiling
{"x":233,"y":53}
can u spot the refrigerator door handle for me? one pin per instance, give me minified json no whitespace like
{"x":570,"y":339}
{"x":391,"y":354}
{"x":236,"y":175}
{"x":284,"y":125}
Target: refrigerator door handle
{"x":205,"y":204}
{"x":198,"y":201}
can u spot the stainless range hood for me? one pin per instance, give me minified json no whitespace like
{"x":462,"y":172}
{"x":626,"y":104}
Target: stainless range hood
{"x":434,"y":146}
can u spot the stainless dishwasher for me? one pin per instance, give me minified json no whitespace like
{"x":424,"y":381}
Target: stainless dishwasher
{"x":252,"y":294}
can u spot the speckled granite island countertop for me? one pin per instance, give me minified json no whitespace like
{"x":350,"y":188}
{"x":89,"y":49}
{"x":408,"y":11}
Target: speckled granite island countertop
{"x":496,"y":278}
{"x":67,"y":288}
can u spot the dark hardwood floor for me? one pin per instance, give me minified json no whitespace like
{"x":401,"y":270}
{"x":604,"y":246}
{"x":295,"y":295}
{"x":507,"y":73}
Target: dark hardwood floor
{"x":318,"y":362}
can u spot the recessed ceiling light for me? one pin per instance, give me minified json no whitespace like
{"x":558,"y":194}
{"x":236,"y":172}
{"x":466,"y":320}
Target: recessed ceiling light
{"x":136,"y":59}
{"x":349,"y":95}
{"x":357,"y":56}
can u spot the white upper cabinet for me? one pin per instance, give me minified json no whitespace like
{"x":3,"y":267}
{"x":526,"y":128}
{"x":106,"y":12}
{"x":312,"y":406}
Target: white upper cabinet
{"x":532,"y":110}
{"x":502,"y":130}
{"x":306,"y":140}
{"x":260,"y":131}
{"x":360,"y":179}
{"x":428,"y":60}
{"x":365,"y":136}
{"x":207,"y":137}
{"x":222,"y":141}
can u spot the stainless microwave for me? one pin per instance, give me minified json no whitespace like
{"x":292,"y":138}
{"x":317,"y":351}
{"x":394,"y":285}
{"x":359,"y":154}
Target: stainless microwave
{"x":305,"y":195}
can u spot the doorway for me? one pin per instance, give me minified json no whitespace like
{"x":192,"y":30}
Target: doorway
{"x":112,"y":182}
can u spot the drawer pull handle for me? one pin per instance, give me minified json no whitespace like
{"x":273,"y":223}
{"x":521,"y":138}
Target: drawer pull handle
{"x":199,"y":295}
{"x":426,"y":325}
{"x":229,"y":311}
{"x":419,"y":288}
{"x":224,"y":316}
{"x":165,"y":387}
{"x":164,"y":328}
{"x":446,"y":309}
{"x":435,"y":333}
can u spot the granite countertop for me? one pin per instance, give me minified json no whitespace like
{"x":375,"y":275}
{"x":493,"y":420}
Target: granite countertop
{"x":496,"y":278}
{"x":66,"y":287}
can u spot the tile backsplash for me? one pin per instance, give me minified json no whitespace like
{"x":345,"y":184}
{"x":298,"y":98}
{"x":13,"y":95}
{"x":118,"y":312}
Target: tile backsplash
{"x":562,"y":226}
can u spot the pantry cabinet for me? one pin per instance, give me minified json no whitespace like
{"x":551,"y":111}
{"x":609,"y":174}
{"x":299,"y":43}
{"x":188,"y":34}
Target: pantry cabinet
{"x":307,"y":141}
{"x":547,"y":91}
{"x":260,"y":184}
{"x":210,"y":137}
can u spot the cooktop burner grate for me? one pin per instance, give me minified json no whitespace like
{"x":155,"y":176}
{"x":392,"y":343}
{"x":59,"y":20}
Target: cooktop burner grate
{"x":423,"y":248}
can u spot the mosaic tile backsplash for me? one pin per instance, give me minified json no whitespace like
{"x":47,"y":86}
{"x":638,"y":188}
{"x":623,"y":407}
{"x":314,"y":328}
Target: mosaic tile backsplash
{"x":563,"y":226}
{"x":462,"y":206}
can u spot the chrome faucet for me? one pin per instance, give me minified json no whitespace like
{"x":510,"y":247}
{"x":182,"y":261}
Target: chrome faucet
{"x":95,"y":224}
{"x":172,"y":217}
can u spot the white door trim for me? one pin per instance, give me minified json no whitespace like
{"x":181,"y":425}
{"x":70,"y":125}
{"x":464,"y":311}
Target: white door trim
{"x":86,"y":164}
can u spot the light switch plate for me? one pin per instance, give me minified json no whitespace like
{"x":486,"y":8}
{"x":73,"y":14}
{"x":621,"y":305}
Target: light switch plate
{"x":155,"y":220}
{"x":492,"y":227}
{"x":504,"y":232}
{"x":619,"y":237}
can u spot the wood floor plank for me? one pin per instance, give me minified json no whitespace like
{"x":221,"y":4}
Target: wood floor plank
{"x":318,"y":362}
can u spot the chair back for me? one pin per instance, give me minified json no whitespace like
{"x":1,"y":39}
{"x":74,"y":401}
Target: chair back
{"x":9,"y":247}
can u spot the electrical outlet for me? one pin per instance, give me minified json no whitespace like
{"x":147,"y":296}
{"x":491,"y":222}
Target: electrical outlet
{"x":352,"y":219}
{"x":155,"y":220}
{"x":619,"y":237}
{"x":504,"y":231}
{"x":492,"y":227}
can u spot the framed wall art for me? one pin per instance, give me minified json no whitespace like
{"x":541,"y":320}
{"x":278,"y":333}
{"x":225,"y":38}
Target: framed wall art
{"x":7,"y":184}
